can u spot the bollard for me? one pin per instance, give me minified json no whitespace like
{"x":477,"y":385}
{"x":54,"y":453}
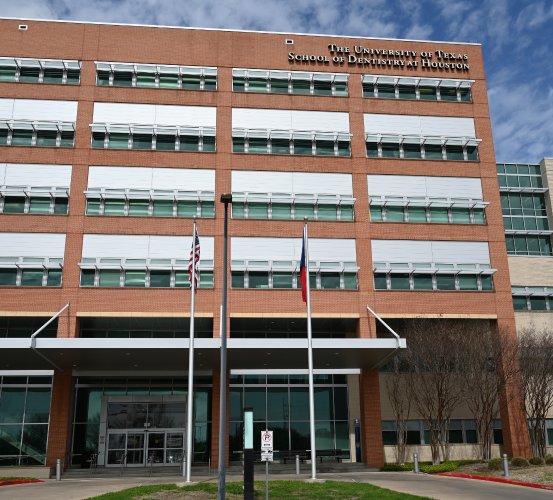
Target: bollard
{"x":297,"y":465}
{"x":58,"y":469}
{"x":415,"y":463}
{"x":209,"y":466}
{"x":505,"y":465}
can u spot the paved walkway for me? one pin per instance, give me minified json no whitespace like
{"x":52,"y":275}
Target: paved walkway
{"x":446,"y":488}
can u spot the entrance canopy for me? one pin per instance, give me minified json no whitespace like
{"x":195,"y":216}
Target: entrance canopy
{"x":172,"y":353}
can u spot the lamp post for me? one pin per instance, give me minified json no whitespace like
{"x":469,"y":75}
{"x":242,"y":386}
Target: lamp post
{"x":226,"y":198}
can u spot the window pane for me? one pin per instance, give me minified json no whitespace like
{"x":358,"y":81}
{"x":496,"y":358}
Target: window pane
{"x":135,"y":279}
{"x":165,"y":142}
{"x":61,"y":206}
{"x":114,"y":207}
{"x":465,"y":95}
{"x":87,"y":277}
{"x":31,"y":277}
{"x":438,"y":215}
{"x":427,"y":93}
{"x":206,"y":279}
{"x":29,"y":75}
{"x":422,"y":281}
{"x":468,"y":282}
{"x":145,"y":80}
{"x":376,"y":214}
{"x":109,"y":277}
{"x":380,"y":282}
{"x":189,"y":142}
{"x":182,"y":279}
{"x":12,"y":404}
{"x":52,"y":75}
{"x":257,"y":145}
{"x":322,"y":88}
{"x":160,"y":279}
{"x":39,"y":206}
{"x":257,"y":84}
{"x":372,"y":150}
{"x":279,"y":86}
{"x":303,"y":147}
{"x":210,"y":82}
{"x":258,"y":279}
{"x":7,"y":73}
{"x":122,"y":78}
{"x":258,"y":210}
{"x":344,"y":148}
{"x":142,"y":141}
{"x":350,"y":281}
{"x":327,"y":212}
{"x":400,"y":281}
{"x":460,"y":215}
{"x":302,"y":87}
{"x":163,"y":208}
{"x":277,"y":403}
{"x":394,"y":214}
{"x":538,"y":304}
{"x":454,"y":153}
{"x":238,"y":84}
{"x":520,"y":304}
{"x":92,"y":207}
{"x":37,"y":409}
{"x":138,"y":207}
{"x":187,"y":208}
{"x":191,"y":82}
{"x":237,"y":279}
{"x":22,"y":137}
{"x":445,"y":282}
{"x":281,"y":211}
{"x":407,"y":92}
{"x":330,"y":281}
{"x":208,"y":143}
{"x":238,"y":145}
{"x":390,"y":150}
{"x":46,"y":138}
{"x":479,"y":216}
{"x":238,"y":210}
{"x":280,"y":146}
{"x":14,"y":205}
{"x":386,"y":91}
{"x":54,"y":278}
{"x":368,"y":89}
{"x":118,"y":141}
{"x":8,"y":277}
{"x":324,"y":148}
{"x":472,"y":153}
{"x":282,"y":280}
{"x":433,"y":152}
{"x":98,"y":139}
{"x":411,"y":151}
{"x":303,"y":210}
{"x":487,"y":282}
{"x":346,"y":212}
{"x":448,"y":94}
{"x":417,"y":214}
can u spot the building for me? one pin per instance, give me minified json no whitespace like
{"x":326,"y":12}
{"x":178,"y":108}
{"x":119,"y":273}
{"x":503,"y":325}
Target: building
{"x":112,"y":141}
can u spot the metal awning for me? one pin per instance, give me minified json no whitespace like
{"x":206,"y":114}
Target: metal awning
{"x":172,"y":354}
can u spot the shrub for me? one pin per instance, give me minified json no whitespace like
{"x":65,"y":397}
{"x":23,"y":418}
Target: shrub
{"x":436,"y":469}
{"x":519,"y":462}
{"x":549,"y":460}
{"x":495,"y":464}
{"x":536,"y":461}
{"x":397,"y":468}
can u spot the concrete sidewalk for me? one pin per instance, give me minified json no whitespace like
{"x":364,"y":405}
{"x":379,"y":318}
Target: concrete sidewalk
{"x":438,"y":487}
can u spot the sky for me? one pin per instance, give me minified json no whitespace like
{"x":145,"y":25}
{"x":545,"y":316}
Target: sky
{"x":516,"y":35}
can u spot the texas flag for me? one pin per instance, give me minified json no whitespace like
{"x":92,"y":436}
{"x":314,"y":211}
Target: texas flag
{"x":303,"y":271}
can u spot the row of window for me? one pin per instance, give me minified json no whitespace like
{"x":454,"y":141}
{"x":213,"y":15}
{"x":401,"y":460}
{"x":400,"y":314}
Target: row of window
{"x":285,"y":82}
{"x":308,"y":145}
{"x":459,"y":432}
{"x":518,"y":169}
{"x":412,"y":91}
{"x":525,"y":223}
{"x":36,"y":71}
{"x":437,"y":215}
{"x":291,"y":211}
{"x":150,"y":208}
{"x":33,"y":205}
{"x":140,"y":278}
{"x":418,"y":151}
{"x":532,"y":303}
{"x":289,"y":279}
{"x":522,"y":182}
{"x":30,"y":277}
{"x":524,"y":244}
{"x":197,"y":141}
{"x":432,"y":282}
{"x":38,"y":138}
{"x":528,"y":204}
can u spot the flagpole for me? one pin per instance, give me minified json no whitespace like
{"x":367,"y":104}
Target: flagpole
{"x":310,"y":358}
{"x":190,"y":405}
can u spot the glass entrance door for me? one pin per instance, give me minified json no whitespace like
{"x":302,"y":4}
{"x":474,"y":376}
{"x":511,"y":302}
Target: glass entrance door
{"x":141,"y":448}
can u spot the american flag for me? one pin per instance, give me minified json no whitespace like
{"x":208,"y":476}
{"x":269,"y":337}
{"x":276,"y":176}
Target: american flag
{"x":194,"y":260}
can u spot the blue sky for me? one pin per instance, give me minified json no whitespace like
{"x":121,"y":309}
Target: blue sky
{"x":517,"y":38}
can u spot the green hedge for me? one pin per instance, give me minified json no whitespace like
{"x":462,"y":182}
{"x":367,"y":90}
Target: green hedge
{"x":495,"y":464}
{"x":519,"y":462}
{"x":427,"y":467}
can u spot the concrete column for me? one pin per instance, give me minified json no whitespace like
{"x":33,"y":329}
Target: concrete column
{"x":59,"y":434}
{"x":371,"y":432}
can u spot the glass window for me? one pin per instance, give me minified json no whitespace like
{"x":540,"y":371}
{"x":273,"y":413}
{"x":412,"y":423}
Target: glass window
{"x":281,"y":211}
{"x":53,"y":75}
{"x":182,"y":279}
{"x":37,"y":406}
{"x":12,"y":404}
{"x":466,"y":95}
{"x":237,"y":279}
{"x":330,"y":281}
{"x":189,"y":142}
{"x":102,"y":78}
{"x":46,"y":138}
{"x":61,"y":206}
{"x":322,"y":87}
{"x":344,"y":148}
{"x":327,"y":212}
{"x":29,"y":75}
{"x":386,"y":91}
{"x":538,"y":304}
{"x":417,"y":214}
{"x":380,"y":282}
{"x":14,"y":205}
{"x":346,"y":212}
{"x":87,"y":277}
{"x":427,"y":93}
{"x":472,"y":153}
{"x":280,"y":146}
{"x":479,"y":216}
{"x":304,"y":210}
{"x":460,"y":215}
{"x":368,"y":89}
{"x":118,"y":141}
{"x":439,"y":215}
{"x":142,"y":141}
{"x":54,"y":277}
{"x":279,"y":86}
{"x":67,"y":139}
{"x":257,"y":84}
{"x":191,"y":82}
{"x":238,"y":84}
{"x":3,"y":136}
{"x":258,"y":279}
{"x":454,"y":152}
{"x":376,"y":214}
{"x":98,"y":139}
{"x":372,"y":150}
{"x":208,"y":144}
{"x":145,"y":80}
{"x":109,"y":277}
{"x":303,"y":147}
{"x":22,"y":137}
{"x":422,"y":281}
{"x":7,"y":73}
{"x":39,"y":206}
{"x":257,"y":145}
{"x":135,"y":279}
{"x":282,"y":280}
{"x":411,"y":151}
{"x":163,"y":208}
{"x":165,"y":142}
{"x":448,"y":94}
{"x":206,"y":279}
{"x":445,"y":282}
{"x":8,"y":277}
{"x":92,"y":207}
{"x":258,"y":210}
{"x":399,"y":281}
{"x":114,"y":207}
{"x":433,"y":152}
{"x":138,"y":207}
{"x":407,"y":92}
{"x":520,"y":304}
{"x":468,"y":282}
{"x":210,"y":82}
{"x":324,"y":148}
{"x":160,"y":279}
{"x":31,"y":277}
{"x":390,"y":150}
{"x":238,"y":210}
{"x":187,"y":208}
{"x":122,"y":78}
{"x":302,"y":87}
{"x":487,"y":282}
{"x":350,"y":281}
{"x":394,"y":214}
{"x":238,"y":145}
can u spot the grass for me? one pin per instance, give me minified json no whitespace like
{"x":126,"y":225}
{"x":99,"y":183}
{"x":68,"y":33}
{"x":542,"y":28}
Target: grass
{"x":327,"y":490}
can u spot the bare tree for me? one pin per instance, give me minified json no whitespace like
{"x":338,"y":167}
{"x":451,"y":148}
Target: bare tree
{"x":435,"y":364}
{"x":490,"y":363}
{"x":400,"y":396}
{"x":536,"y":363}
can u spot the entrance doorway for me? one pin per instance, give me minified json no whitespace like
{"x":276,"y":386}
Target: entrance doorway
{"x":141,"y":448}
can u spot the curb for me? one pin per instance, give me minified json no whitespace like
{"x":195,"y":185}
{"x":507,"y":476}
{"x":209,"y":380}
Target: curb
{"x":498,"y":480}
{"x":11,"y":482}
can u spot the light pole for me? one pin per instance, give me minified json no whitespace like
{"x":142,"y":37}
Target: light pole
{"x":226,"y":198}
